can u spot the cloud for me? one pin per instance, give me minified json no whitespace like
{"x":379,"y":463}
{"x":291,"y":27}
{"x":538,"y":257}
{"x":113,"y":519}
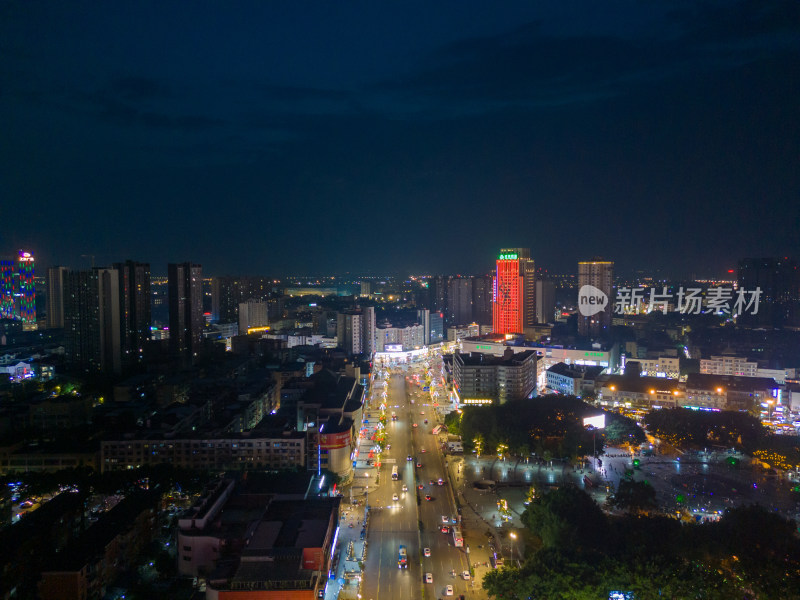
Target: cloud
{"x":532,"y":68}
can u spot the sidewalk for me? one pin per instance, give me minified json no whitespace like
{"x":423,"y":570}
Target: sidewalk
{"x":351,"y":550}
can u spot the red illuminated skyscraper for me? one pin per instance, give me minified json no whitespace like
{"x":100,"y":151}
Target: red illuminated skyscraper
{"x":514,"y":293}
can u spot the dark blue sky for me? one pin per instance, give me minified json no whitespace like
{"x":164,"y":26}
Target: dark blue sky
{"x":312,"y":137}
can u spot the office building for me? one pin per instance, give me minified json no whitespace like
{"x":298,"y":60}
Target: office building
{"x":135,"y":307}
{"x":480,"y":378}
{"x":779,"y":282}
{"x":598,"y":274}
{"x":55,"y":297}
{"x":514,"y":293}
{"x":185,"y":309}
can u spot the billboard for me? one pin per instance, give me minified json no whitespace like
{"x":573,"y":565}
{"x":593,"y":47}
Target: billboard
{"x":598,"y":422}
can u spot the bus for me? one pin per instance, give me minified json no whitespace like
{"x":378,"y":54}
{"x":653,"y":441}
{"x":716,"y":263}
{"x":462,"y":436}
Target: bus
{"x":458,"y":539}
{"x":394,"y":473}
{"x":402,"y":558}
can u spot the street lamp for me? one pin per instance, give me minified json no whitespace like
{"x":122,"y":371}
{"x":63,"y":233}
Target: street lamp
{"x":513,"y":536}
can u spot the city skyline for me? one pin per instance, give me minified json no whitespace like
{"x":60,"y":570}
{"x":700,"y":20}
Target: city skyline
{"x":273,"y":139}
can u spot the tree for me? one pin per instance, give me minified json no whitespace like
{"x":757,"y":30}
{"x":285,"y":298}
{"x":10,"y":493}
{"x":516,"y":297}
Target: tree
{"x":566,"y":518}
{"x":636,"y":496}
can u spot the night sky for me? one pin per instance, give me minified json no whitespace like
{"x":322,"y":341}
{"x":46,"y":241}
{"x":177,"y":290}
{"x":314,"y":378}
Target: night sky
{"x":320,"y":137}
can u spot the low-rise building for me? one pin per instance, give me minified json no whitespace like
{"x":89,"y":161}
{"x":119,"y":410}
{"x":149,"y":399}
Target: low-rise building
{"x":643,"y":393}
{"x":92,"y":561}
{"x":663,"y":366}
{"x":250,"y":543}
{"x":731,"y":393}
{"x":572,"y":380}
{"x":481,"y":378}
{"x":258,"y":449}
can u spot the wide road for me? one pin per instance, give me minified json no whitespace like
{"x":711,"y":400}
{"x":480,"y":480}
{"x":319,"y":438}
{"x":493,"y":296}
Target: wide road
{"x":389,"y":526}
{"x":394,"y":523}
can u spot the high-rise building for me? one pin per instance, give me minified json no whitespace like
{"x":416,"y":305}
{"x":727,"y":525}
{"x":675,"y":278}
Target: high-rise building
{"x":92,"y":320}
{"x":55,"y":297}
{"x":437,"y":327}
{"x":228,"y":292}
{"x":482,"y":300}
{"x":545,"y":300}
{"x":252,"y":314}
{"x":135,"y":310}
{"x":459,"y":301}
{"x":366,"y":289}
{"x":424,"y":319}
{"x":514,"y":293}
{"x":599,"y":274}
{"x":368,"y":330}
{"x":185,"y":309}
{"x":356,"y":330}
{"x":779,"y":282}
{"x":27,"y":291}
{"x":438,"y":293}
{"x":8,"y":278}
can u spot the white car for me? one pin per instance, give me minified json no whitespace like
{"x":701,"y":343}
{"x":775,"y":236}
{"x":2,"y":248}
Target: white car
{"x":465,"y":575}
{"x":448,"y":591}
{"x":427,"y":552}
{"x":428,"y":577}
{"x":445,"y":519}
{"x":405,"y":487}
{"x":395,"y":497}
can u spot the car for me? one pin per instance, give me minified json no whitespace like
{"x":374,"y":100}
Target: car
{"x":428,"y":578}
{"x":465,"y":575}
{"x":425,"y":421}
{"x":448,"y":591}
{"x":414,"y":425}
{"x":427,"y":552}
{"x":423,"y":450}
{"x":445,"y":529}
{"x":422,"y":412}
{"x":409,"y":457}
{"x":405,"y":487}
{"x":428,"y":497}
{"x":388,"y":446}
{"x":441,"y":481}
{"x":395,"y":497}
{"x":445,"y":519}
{"x":419,"y":465}
{"x":432,"y":482}
{"x":420,"y":486}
